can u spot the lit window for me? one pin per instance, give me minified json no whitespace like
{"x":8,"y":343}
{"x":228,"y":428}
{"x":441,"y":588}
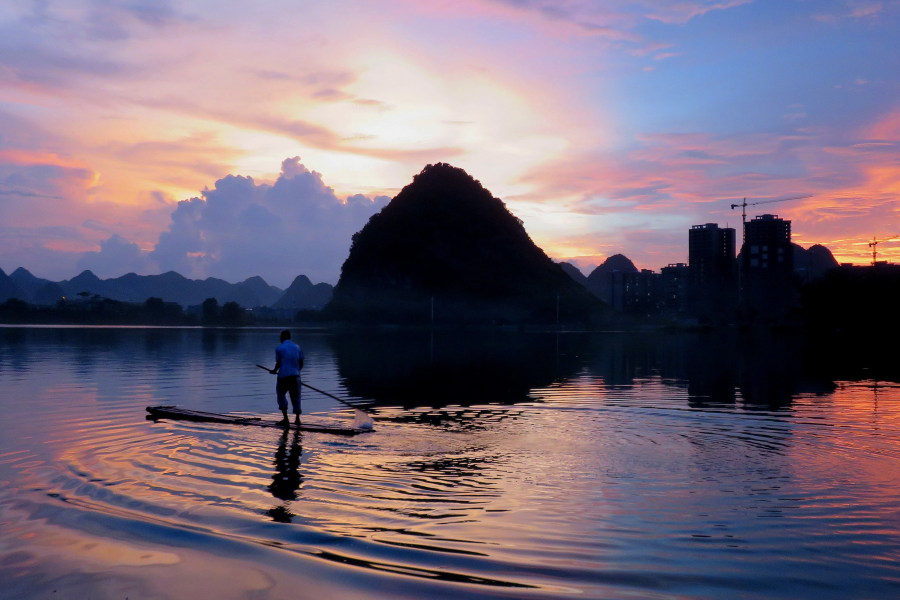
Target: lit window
{"x":754,"y":262}
{"x":754,"y":249}
{"x":765,"y":248}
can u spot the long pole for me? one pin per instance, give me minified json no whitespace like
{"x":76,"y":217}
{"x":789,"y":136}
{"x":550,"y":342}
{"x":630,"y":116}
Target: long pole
{"x":344,"y":402}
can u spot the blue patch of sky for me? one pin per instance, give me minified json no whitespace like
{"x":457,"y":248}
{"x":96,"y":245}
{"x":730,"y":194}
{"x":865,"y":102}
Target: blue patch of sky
{"x":746,"y":69}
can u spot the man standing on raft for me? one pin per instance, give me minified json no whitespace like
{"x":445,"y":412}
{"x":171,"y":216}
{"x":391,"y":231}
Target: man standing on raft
{"x":288,"y":362}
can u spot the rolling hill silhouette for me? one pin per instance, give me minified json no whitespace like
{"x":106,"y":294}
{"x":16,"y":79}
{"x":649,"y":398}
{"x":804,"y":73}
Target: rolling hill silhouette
{"x":574,"y":272}
{"x":302,"y":294}
{"x":812,"y":263}
{"x":599,"y":281}
{"x":8,"y":288}
{"x":171,"y":287}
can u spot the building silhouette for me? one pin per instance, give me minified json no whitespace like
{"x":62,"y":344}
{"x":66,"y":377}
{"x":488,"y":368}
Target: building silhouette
{"x":638,"y":293}
{"x":767,"y":267}
{"x":674,"y":288}
{"x":712,"y":281}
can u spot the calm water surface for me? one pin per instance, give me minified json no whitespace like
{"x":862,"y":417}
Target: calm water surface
{"x":504,"y":464}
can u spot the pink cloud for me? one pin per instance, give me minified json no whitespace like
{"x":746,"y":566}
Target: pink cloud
{"x":865,"y":9}
{"x":676,"y":180}
{"x":682,"y":12}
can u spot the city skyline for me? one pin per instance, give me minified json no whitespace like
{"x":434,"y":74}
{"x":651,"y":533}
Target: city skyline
{"x":606,"y":128}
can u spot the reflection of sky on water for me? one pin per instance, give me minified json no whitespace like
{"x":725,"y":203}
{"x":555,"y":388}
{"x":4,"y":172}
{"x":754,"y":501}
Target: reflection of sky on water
{"x":653,"y":466}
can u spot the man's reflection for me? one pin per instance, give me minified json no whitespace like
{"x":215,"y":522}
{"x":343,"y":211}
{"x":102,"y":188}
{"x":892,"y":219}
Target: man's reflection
{"x":286,"y":480}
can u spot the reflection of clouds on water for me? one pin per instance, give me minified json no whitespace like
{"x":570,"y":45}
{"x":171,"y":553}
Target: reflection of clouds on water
{"x":607,"y":464}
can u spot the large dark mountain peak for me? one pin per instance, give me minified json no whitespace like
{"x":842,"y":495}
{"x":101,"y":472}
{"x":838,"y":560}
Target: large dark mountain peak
{"x":444,"y":236}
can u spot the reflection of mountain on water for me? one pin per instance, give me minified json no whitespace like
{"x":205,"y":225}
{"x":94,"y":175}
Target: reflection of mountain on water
{"x":419,"y":369}
{"x":414,"y":368}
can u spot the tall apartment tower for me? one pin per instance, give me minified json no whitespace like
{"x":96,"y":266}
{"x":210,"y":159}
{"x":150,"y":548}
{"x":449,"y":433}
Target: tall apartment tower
{"x":712,"y":273}
{"x":767,"y":266}
{"x":675,"y":288}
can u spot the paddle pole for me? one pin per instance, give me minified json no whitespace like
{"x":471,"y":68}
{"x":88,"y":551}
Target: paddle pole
{"x":362,"y":419}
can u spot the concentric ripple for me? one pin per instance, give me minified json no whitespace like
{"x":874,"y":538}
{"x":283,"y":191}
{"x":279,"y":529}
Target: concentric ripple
{"x":585,"y":486}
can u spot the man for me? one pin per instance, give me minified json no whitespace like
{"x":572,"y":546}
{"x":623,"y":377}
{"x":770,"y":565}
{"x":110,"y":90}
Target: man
{"x":288,"y":362}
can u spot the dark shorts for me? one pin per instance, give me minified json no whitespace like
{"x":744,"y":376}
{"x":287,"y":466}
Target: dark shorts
{"x":288,"y":386}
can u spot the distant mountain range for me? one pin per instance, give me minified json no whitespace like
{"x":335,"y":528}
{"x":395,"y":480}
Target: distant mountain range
{"x":809,"y":264}
{"x":598,"y":281}
{"x":8,"y":288}
{"x":171,"y":287}
{"x":303,"y":294}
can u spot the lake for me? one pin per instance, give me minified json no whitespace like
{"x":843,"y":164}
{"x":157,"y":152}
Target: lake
{"x":503,"y":464}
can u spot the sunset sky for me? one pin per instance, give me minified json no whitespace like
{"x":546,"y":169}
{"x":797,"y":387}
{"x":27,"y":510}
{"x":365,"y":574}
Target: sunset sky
{"x":607,"y":126}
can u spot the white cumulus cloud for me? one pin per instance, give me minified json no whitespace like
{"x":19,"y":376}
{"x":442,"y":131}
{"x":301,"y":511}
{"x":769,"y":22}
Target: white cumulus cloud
{"x":240,"y":228}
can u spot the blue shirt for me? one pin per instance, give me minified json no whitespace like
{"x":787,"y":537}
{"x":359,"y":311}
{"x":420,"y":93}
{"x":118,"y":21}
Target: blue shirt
{"x":290,"y":355}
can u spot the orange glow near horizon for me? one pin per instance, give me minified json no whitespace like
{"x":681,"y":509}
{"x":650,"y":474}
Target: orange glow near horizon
{"x":589,"y":123}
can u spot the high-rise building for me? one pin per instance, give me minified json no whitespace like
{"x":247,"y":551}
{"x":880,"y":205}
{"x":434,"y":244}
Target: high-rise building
{"x":712,"y":283}
{"x":767,"y":266}
{"x":675,"y":288}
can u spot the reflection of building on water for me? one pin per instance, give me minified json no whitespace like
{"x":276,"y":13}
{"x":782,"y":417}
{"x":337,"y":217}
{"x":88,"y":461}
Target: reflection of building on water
{"x":765,"y":371}
{"x":287,"y":479}
{"x":396,"y":369}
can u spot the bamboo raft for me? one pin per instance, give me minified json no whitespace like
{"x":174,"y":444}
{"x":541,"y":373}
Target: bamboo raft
{"x":183,"y":414}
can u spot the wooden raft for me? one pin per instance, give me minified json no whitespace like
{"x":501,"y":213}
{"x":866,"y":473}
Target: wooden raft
{"x":183,"y":414}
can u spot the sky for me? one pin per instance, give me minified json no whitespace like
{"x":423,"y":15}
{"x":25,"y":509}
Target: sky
{"x":233,"y":139}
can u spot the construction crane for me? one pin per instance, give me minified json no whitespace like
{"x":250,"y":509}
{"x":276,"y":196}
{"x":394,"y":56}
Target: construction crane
{"x":874,"y":246}
{"x":745,"y":204}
